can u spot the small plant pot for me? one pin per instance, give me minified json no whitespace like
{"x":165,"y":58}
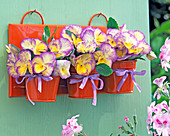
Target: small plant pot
{"x":111,"y":82}
{"x":48,"y":93}
{"x":77,"y":93}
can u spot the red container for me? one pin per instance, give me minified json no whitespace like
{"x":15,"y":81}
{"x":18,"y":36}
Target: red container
{"x":75,"y":92}
{"x":111,"y":82}
{"x":49,"y":90}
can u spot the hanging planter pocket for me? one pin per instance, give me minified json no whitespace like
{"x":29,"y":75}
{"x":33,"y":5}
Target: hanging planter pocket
{"x":122,"y":80}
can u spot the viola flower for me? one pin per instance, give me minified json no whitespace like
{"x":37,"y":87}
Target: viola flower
{"x":61,"y":69}
{"x":84,"y":64}
{"x":12,"y":49}
{"x":24,"y":63}
{"x":61,"y":47}
{"x":94,"y":36}
{"x":106,"y":55}
{"x":84,"y":47}
{"x":36,"y":45}
{"x":71,"y":127}
{"x":11,"y":65}
{"x":75,"y":37}
{"x":111,"y":40}
{"x":44,"y":63}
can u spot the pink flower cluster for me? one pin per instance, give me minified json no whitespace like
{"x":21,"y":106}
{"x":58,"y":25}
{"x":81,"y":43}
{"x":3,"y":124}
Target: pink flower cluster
{"x":72,"y":127}
{"x":158,"y":119}
{"x":165,"y":55}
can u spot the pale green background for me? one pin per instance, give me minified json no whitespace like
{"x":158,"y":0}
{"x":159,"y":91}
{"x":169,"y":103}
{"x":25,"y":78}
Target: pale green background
{"x":19,"y":118}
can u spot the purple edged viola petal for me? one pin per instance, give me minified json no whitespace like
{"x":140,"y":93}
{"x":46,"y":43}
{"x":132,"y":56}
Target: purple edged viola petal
{"x":49,"y":69}
{"x":84,"y":47}
{"x":146,"y":47}
{"x":85,"y":29}
{"x":48,"y":57}
{"x":24,"y":55}
{"x":76,"y":29}
{"x":62,"y":68}
{"x":139,"y":35}
{"x":100,"y":37}
{"x":28,"y":43}
{"x":12,"y":72}
{"x":11,"y":57}
{"x":109,"y":51}
{"x":88,"y":36}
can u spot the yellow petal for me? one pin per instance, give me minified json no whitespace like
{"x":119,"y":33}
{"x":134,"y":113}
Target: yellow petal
{"x":21,"y":70}
{"x":37,"y":60}
{"x":128,"y":45}
{"x":81,"y":69}
{"x":97,"y":54}
{"x":67,"y":37}
{"x":38,"y":68}
{"x":105,"y":61}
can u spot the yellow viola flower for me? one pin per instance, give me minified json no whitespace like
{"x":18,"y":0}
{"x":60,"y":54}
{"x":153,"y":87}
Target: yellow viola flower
{"x":84,"y":64}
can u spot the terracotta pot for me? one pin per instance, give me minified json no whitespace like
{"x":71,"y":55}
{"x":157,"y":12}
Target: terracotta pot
{"x":49,"y":90}
{"x":75,"y":92}
{"x":111,"y":82}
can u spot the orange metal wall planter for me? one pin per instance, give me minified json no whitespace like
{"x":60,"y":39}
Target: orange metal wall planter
{"x":48,"y":92}
{"x":18,"y":32}
{"x":111,"y":82}
{"x":76,"y":92}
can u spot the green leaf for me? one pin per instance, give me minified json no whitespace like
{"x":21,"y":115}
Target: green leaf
{"x":59,"y":58}
{"x":163,"y":29}
{"x":53,"y":33}
{"x":46,"y":34}
{"x":97,"y":49}
{"x":156,"y":22}
{"x":70,"y":33}
{"x":32,"y":54}
{"x":112,"y":24}
{"x":163,"y":98}
{"x":104,"y":69}
{"x":136,"y":57}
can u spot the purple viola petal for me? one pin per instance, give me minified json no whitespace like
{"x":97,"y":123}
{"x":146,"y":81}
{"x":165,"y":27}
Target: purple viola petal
{"x":28,"y":43}
{"x":123,"y":28}
{"x":112,"y":32}
{"x":12,"y":72}
{"x":66,"y":46}
{"x":48,"y":57}
{"x":49,"y":69}
{"x":88,"y":36}
{"x":146,"y":47}
{"x":109,"y":51}
{"x":33,"y":67}
{"x":11,"y":57}
{"x":76,"y":29}
{"x":139,"y":35}
{"x":85,"y":29}
{"x":53,"y":43}
{"x":24,"y":55}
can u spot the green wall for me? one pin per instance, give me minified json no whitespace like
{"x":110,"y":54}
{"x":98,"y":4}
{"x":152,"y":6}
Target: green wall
{"x":19,"y":118}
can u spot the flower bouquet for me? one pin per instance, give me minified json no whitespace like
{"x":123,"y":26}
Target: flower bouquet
{"x":129,"y":46}
{"x":92,"y":56}
{"x":39,"y":62}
